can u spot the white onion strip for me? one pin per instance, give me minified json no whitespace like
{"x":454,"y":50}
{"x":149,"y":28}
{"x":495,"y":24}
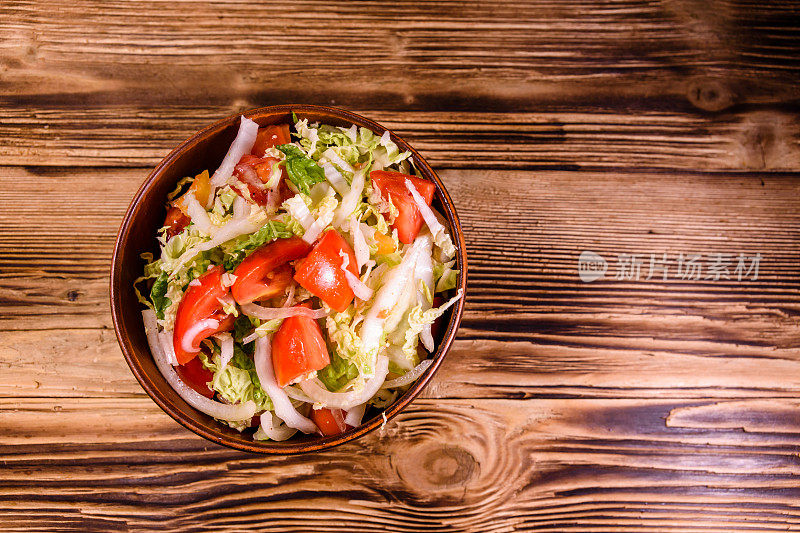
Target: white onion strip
{"x":361,"y":291}
{"x":169,"y":349}
{"x":225,"y":348}
{"x":187,"y":342}
{"x":273,"y":428}
{"x":409,"y":376}
{"x":271,"y":313}
{"x":296,"y":394}
{"x":221,"y":411}
{"x":347,"y":400}
{"x":358,"y":287}
{"x":241,"y":145}
{"x":354,"y":415}
{"x":280,"y":401}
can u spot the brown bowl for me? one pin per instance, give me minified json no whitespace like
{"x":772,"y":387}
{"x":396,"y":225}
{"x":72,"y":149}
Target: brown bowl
{"x":205,"y":150}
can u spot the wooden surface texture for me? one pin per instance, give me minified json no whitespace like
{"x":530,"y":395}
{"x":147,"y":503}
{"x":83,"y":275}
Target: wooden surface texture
{"x":620,"y":127}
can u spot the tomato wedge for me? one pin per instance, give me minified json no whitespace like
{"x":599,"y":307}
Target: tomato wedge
{"x":175,"y":221}
{"x":298,"y":348}
{"x":321,"y":274}
{"x":265,"y":273}
{"x":200,"y":303}
{"x":270,"y":136}
{"x":255,"y":173}
{"x":196,"y":376}
{"x":329,"y":421}
{"x":393,"y":186}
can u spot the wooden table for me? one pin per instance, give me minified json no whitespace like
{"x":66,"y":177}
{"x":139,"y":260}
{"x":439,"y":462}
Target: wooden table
{"x":559,"y":127}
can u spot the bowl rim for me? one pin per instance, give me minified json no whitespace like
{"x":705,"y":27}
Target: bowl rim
{"x":288,"y":447}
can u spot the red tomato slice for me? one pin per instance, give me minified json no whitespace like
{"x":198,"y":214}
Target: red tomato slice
{"x":264,"y":273}
{"x":200,"y":302}
{"x":255,"y":172}
{"x":175,"y":221}
{"x":196,"y":376}
{"x":270,"y":136}
{"x":329,"y":421}
{"x":393,"y":185}
{"x":321,"y":272}
{"x":298,"y":348}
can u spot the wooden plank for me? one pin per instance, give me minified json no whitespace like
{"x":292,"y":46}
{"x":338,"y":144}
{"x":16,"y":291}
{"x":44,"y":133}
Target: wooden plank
{"x":555,"y":85}
{"x":497,"y":465}
{"x":766,"y":140}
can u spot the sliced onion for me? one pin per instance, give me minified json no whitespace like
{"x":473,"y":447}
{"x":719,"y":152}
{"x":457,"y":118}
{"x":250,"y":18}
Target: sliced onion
{"x":228,"y":279}
{"x":187,"y":342}
{"x":241,"y":145}
{"x":289,"y":296}
{"x":361,"y":291}
{"x":354,"y":415}
{"x":169,"y":349}
{"x":351,"y":199}
{"x":198,"y":214}
{"x":296,"y":394}
{"x":273,"y":428}
{"x":347,"y":400}
{"x":271,"y":313}
{"x":280,"y":401}
{"x":409,"y":376}
{"x":225,"y":348}
{"x":221,"y":411}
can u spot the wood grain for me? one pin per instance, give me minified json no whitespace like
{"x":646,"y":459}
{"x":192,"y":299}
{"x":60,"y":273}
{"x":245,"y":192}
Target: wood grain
{"x":557,"y":461}
{"x":622,"y":127}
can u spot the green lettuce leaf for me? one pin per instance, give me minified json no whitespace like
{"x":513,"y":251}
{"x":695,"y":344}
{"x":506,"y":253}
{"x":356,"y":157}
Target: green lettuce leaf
{"x":338,"y":373}
{"x":157,"y":295}
{"x":302,"y":170}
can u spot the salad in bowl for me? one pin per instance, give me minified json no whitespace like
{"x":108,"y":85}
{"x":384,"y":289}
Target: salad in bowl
{"x":300,"y":282}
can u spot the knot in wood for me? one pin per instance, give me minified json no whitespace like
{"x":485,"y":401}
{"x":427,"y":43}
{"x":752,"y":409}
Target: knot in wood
{"x":438,"y":467}
{"x":709,"y":94}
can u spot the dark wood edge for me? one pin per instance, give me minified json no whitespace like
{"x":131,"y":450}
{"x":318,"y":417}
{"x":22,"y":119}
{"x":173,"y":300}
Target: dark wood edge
{"x":321,"y":443}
